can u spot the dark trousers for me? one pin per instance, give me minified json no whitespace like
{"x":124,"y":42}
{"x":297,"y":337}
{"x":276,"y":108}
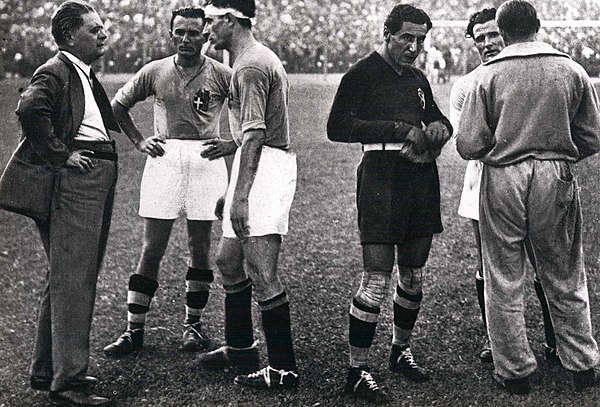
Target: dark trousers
{"x":75,"y":241}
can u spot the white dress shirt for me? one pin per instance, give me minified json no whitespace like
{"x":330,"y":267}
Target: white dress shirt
{"x":92,"y":127}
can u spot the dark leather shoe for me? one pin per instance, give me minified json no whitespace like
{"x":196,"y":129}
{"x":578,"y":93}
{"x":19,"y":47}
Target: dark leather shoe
{"x":77,"y":398}
{"x":518,"y":386}
{"x":586,"y":379}
{"x":43,"y":383}
{"x":130,"y":341}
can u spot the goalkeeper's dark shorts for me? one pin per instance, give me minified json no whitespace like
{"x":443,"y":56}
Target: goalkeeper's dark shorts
{"x":396,"y":199}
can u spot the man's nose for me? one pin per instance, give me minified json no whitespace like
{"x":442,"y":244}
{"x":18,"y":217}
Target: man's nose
{"x":206,"y":30}
{"x":187,"y":38}
{"x":102,"y":34}
{"x":414,"y":46}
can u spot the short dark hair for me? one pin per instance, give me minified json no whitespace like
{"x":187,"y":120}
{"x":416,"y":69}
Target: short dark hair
{"x":187,"y":12}
{"x":406,"y":13}
{"x":247,"y":7}
{"x":480,"y":17}
{"x":517,"y":19}
{"x":67,"y":18}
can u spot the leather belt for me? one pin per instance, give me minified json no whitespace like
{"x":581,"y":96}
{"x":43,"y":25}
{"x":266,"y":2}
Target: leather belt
{"x":382,"y":146}
{"x":102,"y":150}
{"x":103,"y":155}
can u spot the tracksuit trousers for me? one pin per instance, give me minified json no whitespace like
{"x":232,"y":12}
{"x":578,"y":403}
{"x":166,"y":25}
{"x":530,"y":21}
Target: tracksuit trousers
{"x":535,"y":200}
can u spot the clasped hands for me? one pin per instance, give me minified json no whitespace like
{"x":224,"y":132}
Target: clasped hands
{"x":435,"y":135}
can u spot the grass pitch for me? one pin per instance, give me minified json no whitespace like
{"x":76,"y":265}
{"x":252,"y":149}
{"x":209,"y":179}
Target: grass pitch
{"x":320,"y":264}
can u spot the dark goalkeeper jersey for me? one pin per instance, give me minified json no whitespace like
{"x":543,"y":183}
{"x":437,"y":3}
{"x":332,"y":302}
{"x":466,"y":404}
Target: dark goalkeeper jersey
{"x":372,"y":98}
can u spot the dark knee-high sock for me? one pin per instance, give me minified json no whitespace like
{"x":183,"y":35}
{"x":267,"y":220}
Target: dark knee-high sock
{"x":197,"y":290}
{"x":238,"y":315}
{"x":278,"y":332}
{"x":406,"y":310}
{"x":479,"y":285}
{"x":363,"y":323}
{"x":140,"y":294}
{"x":548,"y":327}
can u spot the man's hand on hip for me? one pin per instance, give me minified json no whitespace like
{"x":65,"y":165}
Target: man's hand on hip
{"x":218,"y":148}
{"x":152,"y":146}
{"x":81,"y":159}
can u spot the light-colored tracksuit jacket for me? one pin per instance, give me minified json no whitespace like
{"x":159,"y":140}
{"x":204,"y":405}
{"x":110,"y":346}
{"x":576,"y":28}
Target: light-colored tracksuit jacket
{"x":529,"y":115}
{"x":501,"y":134}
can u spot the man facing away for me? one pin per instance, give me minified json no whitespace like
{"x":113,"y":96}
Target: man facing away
{"x":387,"y":105}
{"x":258,"y":201}
{"x":66,"y":117}
{"x":530,"y":115}
{"x":483,"y":29}
{"x":189,"y":90}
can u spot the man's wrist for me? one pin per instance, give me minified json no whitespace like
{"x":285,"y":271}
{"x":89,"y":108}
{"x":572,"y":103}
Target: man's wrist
{"x":137,"y":141}
{"x":240,"y":199}
{"x":401,"y":130}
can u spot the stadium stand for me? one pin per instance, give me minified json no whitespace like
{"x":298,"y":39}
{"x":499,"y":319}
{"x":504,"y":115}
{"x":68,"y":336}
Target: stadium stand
{"x":310,"y":36}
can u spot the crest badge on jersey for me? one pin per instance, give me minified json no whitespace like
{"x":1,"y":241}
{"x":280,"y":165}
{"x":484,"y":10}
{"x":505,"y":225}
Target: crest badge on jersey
{"x":421,"y":97}
{"x":201,"y":100}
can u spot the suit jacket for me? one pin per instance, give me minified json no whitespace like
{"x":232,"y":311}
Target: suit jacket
{"x":51,"y":110}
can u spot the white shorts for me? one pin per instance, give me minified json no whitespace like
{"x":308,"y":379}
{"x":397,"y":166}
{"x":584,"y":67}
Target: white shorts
{"x":271,"y":195}
{"x":182,"y":182}
{"x":469,"y":199}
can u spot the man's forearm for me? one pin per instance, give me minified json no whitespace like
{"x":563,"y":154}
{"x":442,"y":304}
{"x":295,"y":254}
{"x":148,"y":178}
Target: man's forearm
{"x":127,"y":125}
{"x":352,"y":130}
{"x":251,"y":150}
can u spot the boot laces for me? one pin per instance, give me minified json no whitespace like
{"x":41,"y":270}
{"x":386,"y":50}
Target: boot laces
{"x":193,"y":328}
{"x":408,"y":356}
{"x":126,"y":337}
{"x":266,"y":375}
{"x":368,"y":380}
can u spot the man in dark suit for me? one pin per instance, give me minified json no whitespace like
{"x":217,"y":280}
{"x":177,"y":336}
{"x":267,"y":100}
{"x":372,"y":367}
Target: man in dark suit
{"x":65,"y":118}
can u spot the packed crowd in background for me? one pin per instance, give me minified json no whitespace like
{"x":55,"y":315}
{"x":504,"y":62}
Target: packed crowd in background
{"x":310,"y":36}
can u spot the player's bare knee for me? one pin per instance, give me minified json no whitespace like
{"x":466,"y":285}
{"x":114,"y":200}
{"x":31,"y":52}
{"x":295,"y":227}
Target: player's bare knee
{"x":266,"y":291}
{"x":234,"y":280}
{"x":231,"y":273}
{"x":152,"y":255}
{"x":199,"y":248}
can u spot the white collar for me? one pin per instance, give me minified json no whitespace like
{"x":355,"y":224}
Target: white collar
{"x":526,"y":49}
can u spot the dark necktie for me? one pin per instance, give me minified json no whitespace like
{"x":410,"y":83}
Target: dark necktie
{"x":103,"y":103}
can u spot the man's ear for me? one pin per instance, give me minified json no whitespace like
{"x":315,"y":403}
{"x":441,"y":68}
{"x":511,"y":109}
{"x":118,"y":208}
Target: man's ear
{"x":504,"y":36}
{"x":68,"y":36}
{"x":230,"y":19}
{"x":386,"y":34}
